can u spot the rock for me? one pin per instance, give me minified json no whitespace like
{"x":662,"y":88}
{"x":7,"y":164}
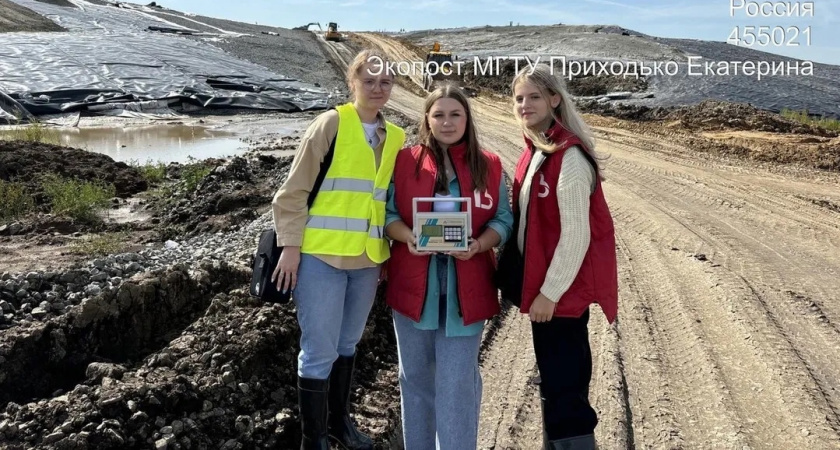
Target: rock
{"x":14,"y":229}
{"x":95,"y":372}
{"x":55,"y":437}
{"x":93,"y":290}
{"x":99,"y":277}
{"x":228,"y":377}
{"x":39,"y":313}
{"x":177,"y":427}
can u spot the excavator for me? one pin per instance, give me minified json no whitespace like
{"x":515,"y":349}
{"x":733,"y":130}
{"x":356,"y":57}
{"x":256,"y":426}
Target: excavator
{"x":306,"y":27}
{"x":446,"y":72}
{"x":332,"y":33}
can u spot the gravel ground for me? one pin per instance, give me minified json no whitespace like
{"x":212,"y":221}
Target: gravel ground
{"x":14,"y":17}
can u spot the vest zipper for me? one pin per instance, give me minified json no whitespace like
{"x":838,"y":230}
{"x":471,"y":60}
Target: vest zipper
{"x":455,"y":169}
{"x":527,"y":217}
{"x":426,"y":283}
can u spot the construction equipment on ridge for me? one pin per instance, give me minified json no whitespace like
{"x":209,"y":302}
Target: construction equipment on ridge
{"x":332,"y":33}
{"x":439,"y":67}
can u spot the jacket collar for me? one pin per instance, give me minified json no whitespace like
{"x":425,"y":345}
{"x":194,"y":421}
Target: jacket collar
{"x":556,"y":133}
{"x":458,"y":149}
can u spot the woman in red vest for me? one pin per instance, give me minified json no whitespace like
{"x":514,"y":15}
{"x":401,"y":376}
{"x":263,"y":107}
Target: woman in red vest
{"x":562,"y":258}
{"x":441,"y":301}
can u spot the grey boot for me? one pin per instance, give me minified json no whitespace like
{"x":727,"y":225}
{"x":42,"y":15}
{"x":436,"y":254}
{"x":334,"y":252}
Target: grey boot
{"x":585,"y":442}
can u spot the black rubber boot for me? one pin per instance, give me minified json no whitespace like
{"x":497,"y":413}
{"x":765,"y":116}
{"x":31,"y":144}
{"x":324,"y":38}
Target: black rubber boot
{"x":341,"y":426}
{"x":585,"y":442}
{"x":312,"y":401}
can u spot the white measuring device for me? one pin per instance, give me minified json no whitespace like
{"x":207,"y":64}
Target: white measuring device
{"x":442,"y":231}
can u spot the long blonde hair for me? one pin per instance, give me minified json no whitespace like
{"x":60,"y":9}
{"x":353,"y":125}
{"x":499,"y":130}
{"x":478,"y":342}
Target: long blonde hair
{"x":368,"y":55}
{"x":476,"y":160}
{"x":565,"y":114}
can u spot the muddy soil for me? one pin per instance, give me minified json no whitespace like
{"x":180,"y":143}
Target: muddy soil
{"x":733,"y":130}
{"x":165,"y":348}
{"x":27,"y":162}
{"x":236,"y":191}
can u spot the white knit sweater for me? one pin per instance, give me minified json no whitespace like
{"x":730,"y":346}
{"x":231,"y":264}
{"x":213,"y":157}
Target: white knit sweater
{"x":575,"y":185}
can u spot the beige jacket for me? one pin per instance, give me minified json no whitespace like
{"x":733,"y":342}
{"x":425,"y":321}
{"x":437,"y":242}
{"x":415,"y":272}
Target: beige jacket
{"x":289,"y":204}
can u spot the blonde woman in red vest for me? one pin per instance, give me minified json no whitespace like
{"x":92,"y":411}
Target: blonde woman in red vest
{"x":562,"y":258}
{"x":329,"y":261}
{"x":441,"y":301}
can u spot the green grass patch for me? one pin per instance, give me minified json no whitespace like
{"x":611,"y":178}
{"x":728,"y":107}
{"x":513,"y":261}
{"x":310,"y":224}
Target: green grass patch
{"x":32,"y":132}
{"x":153,"y":172}
{"x":100,"y":244}
{"x":77,"y":199}
{"x":15,"y":201}
{"x":193,"y":173}
{"x":803,"y":117}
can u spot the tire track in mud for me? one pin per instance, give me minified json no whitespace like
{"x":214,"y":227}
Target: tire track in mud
{"x":809,"y":374}
{"x":507,"y":363}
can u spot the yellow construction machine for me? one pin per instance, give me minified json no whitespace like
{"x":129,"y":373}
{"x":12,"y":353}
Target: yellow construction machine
{"x":439,"y":67}
{"x":332,"y":33}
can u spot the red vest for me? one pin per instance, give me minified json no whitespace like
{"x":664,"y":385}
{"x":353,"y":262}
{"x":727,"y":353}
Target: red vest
{"x":597,"y":279}
{"x":408,"y":274}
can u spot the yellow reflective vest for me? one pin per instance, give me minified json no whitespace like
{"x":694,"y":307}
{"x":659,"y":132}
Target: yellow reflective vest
{"x":347,"y":217}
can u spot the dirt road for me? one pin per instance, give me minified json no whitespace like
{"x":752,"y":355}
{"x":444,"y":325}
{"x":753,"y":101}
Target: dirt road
{"x":729,"y":326}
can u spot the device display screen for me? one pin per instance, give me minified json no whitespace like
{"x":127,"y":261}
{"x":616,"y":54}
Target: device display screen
{"x":432,"y":230}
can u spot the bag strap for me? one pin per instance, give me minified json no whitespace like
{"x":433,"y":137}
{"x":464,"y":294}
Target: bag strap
{"x":325,"y":166}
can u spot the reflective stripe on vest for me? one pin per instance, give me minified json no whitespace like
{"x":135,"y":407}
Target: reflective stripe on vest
{"x":347,"y":217}
{"x":345,"y":224}
{"x":354,"y":185}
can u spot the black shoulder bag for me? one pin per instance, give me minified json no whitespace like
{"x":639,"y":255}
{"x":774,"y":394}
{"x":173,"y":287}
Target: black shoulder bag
{"x":510,"y":271}
{"x":268,"y":253}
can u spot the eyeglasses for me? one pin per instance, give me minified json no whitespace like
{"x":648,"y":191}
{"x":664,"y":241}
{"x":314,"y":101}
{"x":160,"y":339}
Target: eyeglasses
{"x":384,"y":85}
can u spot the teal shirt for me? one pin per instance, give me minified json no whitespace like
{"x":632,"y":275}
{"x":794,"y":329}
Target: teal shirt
{"x":502,"y":223}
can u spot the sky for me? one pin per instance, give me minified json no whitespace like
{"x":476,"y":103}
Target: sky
{"x":711,"y":20}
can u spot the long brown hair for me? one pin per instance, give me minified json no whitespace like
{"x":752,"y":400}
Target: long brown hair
{"x":476,"y":160}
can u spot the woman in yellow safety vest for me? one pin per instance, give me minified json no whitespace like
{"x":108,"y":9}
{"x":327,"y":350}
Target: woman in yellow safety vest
{"x":334,"y":249}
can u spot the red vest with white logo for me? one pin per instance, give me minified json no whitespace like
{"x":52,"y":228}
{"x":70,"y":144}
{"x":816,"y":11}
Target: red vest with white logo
{"x":408,"y":274}
{"x":597,"y":279}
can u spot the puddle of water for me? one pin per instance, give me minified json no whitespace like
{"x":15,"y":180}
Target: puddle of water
{"x":165,"y":143}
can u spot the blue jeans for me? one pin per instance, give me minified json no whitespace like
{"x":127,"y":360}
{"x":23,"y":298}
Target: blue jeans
{"x":332,"y":309}
{"x":440,"y":387}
